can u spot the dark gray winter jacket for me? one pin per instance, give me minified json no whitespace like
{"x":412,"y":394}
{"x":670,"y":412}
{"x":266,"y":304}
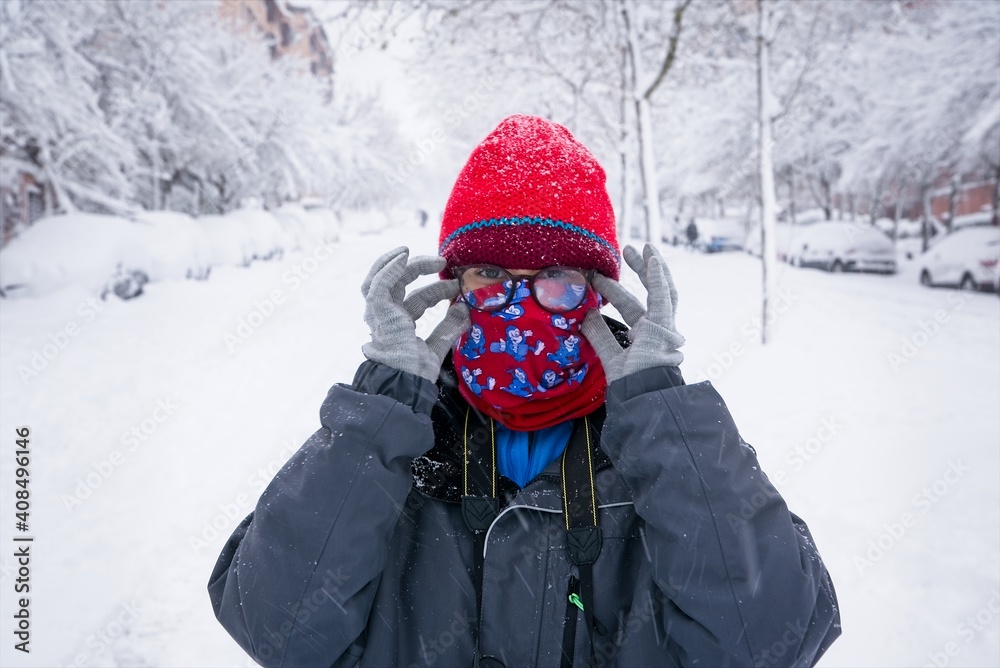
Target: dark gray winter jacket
{"x":357,"y":552}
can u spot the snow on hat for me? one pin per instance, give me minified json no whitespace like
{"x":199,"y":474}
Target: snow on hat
{"x":530,"y":196}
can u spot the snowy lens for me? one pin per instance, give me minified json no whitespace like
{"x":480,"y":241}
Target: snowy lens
{"x":486,"y":287}
{"x":560,"y":289}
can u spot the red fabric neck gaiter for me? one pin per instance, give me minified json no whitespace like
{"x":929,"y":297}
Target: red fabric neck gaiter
{"x":528,"y":368}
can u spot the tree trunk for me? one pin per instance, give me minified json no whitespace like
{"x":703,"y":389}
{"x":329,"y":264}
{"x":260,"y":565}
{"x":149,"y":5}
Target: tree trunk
{"x":791,"y":196}
{"x":642,"y":92}
{"x":625,"y":220}
{"x":766,"y":173}
{"x":925,"y":197}
{"x":647,"y":165}
{"x":897,"y":212}
{"x":58,"y":200}
{"x":952,"y":204}
{"x":155,"y":186}
{"x":996,"y":196}
{"x":827,"y":198}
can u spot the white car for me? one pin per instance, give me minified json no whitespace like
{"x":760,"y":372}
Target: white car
{"x":98,"y":253}
{"x":308,"y":225}
{"x":178,"y":246}
{"x":968,"y":258}
{"x":839,"y":246}
{"x":783,"y":237}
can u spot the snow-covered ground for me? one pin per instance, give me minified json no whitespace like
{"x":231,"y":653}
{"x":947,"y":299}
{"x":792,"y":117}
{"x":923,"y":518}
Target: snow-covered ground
{"x":156,"y":423}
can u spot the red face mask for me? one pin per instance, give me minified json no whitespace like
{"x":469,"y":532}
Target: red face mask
{"x":528,"y":368}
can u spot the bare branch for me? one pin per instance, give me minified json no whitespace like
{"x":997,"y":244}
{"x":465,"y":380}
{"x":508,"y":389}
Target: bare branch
{"x":671,"y":54}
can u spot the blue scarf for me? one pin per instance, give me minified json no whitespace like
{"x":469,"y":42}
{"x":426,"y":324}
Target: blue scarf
{"x":522,"y":455}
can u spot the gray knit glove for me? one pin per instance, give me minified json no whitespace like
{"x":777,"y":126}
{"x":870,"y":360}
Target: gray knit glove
{"x":654,"y":339}
{"x":392,"y":318}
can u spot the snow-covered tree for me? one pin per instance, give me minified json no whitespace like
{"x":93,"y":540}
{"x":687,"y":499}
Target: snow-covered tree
{"x":128,"y":103}
{"x":50,"y":111}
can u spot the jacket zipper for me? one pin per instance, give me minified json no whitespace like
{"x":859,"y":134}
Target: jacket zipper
{"x":573,"y":607}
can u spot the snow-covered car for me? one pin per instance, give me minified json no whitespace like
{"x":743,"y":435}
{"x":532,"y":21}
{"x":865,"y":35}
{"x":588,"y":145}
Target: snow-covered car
{"x":371,"y":221}
{"x":101,"y":254}
{"x":783,"y":235}
{"x":325,"y":220}
{"x":267,"y":238}
{"x":716,"y":235}
{"x":229,"y":240}
{"x":804,"y":217}
{"x":968,"y":258}
{"x":179,"y":247}
{"x":295,"y":222}
{"x":308,"y":225}
{"x":720,"y":242}
{"x":838,"y":246}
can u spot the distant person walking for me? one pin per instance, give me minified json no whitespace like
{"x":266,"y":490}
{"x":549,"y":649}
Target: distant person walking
{"x":692,"y":234}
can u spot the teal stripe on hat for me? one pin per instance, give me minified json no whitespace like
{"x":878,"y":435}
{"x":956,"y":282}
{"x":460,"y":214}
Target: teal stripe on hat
{"x":526,"y":221}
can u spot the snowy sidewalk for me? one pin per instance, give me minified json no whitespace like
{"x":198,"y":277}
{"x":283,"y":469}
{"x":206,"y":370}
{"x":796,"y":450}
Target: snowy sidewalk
{"x":160,"y":420}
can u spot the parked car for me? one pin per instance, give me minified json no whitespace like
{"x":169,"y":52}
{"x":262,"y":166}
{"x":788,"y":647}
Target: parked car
{"x":308,"y":224}
{"x":783,"y":237}
{"x":968,"y":258}
{"x":326,"y":223}
{"x":722,"y":235}
{"x":182,"y":248}
{"x":838,"y":246}
{"x":101,"y":254}
{"x":266,"y":236}
{"x":229,"y":240}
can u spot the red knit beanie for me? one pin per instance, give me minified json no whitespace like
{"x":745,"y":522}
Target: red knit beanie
{"x":530,"y":197}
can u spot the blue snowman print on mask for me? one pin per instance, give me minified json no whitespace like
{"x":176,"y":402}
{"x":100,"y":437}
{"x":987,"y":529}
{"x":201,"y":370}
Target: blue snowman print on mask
{"x":568,"y":352}
{"x":519,"y":385}
{"x":510,"y":312}
{"x":516,"y":344}
{"x":470,"y":378}
{"x":475,"y":346}
{"x":549,"y":380}
{"x":559,"y":321}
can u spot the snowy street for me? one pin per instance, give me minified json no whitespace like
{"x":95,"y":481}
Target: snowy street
{"x":157,"y":422}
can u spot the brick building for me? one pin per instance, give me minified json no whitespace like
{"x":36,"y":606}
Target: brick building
{"x":972,"y":196}
{"x":289,"y":30}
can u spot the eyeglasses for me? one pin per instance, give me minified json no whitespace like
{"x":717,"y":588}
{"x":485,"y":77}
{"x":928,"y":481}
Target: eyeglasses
{"x":486,"y":287}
